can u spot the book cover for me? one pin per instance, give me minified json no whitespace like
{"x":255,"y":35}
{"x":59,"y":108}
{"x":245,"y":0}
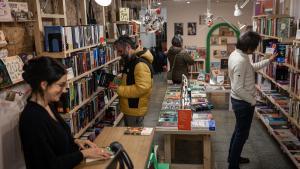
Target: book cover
{"x":54,"y":37}
{"x":68,"y":38}
{"x":184,"y":119}
{"x":12,"y":66}
{"x":75,"y":37}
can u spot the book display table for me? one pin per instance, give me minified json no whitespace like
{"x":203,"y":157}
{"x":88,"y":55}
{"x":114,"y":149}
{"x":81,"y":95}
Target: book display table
{"x":185,"y":115}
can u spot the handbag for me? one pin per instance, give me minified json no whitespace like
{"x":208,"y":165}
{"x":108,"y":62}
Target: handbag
{"x":90,"y":15}
{"x":170,"y":73}
{"x":121,"y":158}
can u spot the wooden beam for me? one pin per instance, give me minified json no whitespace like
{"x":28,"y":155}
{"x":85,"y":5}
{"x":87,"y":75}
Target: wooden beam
{"x":38,"y":27}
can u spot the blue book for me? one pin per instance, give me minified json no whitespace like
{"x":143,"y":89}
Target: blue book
{"x":54,"y":38}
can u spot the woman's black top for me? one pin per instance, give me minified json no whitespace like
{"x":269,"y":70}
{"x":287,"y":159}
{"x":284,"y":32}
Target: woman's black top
{"x":47,"y":143}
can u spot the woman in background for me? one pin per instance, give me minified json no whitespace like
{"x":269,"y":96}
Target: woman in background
{"x":46,"y":138}
{"x":179,"y":59}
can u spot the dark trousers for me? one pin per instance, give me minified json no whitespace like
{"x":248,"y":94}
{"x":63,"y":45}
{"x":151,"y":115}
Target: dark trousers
{"x":133,"y":121}
{"x":243,"y":114}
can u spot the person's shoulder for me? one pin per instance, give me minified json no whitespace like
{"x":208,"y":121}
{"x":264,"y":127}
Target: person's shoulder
{"x":32,"y":115}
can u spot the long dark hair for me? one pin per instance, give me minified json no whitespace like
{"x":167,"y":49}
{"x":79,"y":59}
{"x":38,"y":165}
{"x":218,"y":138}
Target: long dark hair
{"x":42,"y":69}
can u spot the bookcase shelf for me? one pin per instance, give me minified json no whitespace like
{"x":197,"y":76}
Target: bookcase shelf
{"x":296,"y":41}
{"x":194,"y":72}
{"x":118,"y":120}
{"x":291,"y":67}
{"x":271,"y":37}
{"x":85,"y":101}
{"x":54,"y":16}
{"x":110,"y":40}
{"x":270,"y":16}
{"x":92,"y":70}
{"x":271,"y":131}
{"x":293,"y":120}
{"x":284,"y":87}
{"x":65,"y":54}
{"x":100,"y":114}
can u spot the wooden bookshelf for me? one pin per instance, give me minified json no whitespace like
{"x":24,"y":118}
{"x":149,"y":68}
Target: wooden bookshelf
{"x":118,"y":120}
{"x":291,"y":67}
{"x":260,"y":53}
{"x":194,"y":72}
{"x":84,"y":102}
{"x":271,"y":37}
{"x":110,"y":40}
{"x":64,"y":54}
{"x":100,"y":115}
{"x":292,"y":119}
{"x":271,"y":16}
{"x":296,"y":41}
{"x":271,"y":131}
{"x":92,"y":70}
{"x":53,"y":16}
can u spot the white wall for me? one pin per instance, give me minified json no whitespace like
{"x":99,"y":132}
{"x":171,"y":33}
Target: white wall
{"x":181,"y":12}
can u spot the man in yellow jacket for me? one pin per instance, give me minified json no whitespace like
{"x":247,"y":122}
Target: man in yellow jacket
{"x":137,"y":79}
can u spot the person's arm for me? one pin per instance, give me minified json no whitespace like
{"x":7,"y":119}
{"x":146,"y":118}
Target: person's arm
{"x":259,"y":65}
{"x":188,"y":58}
{"x":238,"y":81}
{"x":143,"y":83}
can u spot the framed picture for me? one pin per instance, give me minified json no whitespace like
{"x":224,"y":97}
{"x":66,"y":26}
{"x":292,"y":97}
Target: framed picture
{"x":202,"y":19}
{"x":192,"y":28}
{"x":178,"y":28}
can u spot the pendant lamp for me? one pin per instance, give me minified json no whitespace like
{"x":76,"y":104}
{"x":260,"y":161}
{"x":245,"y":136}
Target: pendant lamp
{"x":103,"y":2}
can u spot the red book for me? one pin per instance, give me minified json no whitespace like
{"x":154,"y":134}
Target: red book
{"x":184,"y":119}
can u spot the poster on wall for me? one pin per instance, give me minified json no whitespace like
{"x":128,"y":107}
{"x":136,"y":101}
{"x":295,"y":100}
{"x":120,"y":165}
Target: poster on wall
{"x":5,"y":11}
{"x":192,"y":28}
{"x":178,"y":28}
{"x":124,"y":14}
{"x":202,"y":19}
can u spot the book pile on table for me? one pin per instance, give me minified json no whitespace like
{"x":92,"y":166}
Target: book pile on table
{"x":195,"y":115}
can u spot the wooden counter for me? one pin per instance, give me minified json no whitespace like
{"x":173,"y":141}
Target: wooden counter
{"x":137,"y":147}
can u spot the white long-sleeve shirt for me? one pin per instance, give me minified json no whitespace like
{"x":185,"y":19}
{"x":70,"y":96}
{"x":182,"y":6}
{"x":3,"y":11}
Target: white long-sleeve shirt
{"x":242,"y":76}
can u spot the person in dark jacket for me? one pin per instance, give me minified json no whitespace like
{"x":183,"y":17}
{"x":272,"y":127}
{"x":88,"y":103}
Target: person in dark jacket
{"x":46,"y":138}
{"x":178,"y":58}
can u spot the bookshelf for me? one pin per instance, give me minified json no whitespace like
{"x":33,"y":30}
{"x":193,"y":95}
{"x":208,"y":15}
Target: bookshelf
{"x":98,"y":116}
{"x":267,"y":27}
{"x":279,"y":141}
{"x":118,"y":120}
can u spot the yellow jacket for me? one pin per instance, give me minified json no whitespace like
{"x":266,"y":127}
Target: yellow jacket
{"x":136,"y":85}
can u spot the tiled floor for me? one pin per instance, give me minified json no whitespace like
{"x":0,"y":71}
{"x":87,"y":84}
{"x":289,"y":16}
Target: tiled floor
{"x":261,"y":148}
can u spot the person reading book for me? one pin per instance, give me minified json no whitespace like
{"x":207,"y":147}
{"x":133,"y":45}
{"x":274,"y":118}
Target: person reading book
{"x":136,"y":83}
{"x":45,"y":136}
{"x":242,"y":76}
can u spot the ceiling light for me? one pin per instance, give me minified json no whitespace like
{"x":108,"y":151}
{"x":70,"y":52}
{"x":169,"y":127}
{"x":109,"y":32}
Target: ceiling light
{"x":103,"y":2}
{"x":188,"y":2}
{"x":158,"y":3}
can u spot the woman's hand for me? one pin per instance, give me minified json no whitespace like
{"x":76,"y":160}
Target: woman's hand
{"x":96,"y":153}
{"x":85,"y":144}
{"x":273,"y":57}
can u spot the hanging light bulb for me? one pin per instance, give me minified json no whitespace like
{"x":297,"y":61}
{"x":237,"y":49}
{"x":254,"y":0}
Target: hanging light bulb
{"x":237,"y":11}
{"x":103,"y":2}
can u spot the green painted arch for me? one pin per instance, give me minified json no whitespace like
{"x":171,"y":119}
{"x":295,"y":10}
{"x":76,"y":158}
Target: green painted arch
{"x":211,"y":30}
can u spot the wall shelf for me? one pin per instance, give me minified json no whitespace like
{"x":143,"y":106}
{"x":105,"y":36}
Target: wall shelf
{"x":53,"y":16}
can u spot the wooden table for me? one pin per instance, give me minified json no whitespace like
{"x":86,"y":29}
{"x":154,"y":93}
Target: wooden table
{"x":137,"y":147}
{"x":201,"y":135}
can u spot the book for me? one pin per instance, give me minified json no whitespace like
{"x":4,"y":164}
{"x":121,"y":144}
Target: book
{"x":54,"y":38}
{"x":184,"y":119}
{"x":68,"y":38}
{"x":143,"y":131}
{"x":11,"y":70}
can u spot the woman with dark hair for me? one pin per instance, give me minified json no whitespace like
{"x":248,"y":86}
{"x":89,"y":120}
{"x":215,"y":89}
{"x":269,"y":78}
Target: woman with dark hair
{"x":179,"y":60}
{"x":46,"y":138}
{"x":242,"y":76}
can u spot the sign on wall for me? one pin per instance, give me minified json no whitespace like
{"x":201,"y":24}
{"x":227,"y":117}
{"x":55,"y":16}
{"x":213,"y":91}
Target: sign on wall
{"x":124,"y":14}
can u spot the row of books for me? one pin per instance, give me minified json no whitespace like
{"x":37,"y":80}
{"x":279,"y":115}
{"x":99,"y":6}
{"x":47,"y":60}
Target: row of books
{"x":82,"y":62}
{"x":197,"y":67}
{"x":294,"y":57}
{"x":111,"y":114}
{"x":87,"y":113}
{"x":272,"y":7}
{"x":294,"y":109}
{"x":283,"y":27}
{"x":63,"y":38}
{"x":279,"y":73}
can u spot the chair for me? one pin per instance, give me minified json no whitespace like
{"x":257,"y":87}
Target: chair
{"x":154,"y":162}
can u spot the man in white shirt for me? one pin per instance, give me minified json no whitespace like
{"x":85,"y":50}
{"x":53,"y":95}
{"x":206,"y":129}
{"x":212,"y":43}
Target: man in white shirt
{"x":242,"y":76}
